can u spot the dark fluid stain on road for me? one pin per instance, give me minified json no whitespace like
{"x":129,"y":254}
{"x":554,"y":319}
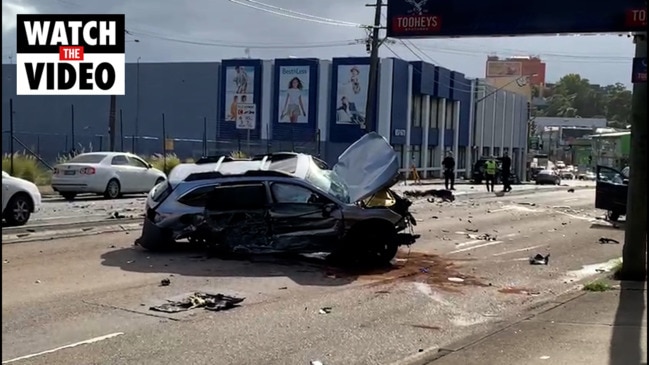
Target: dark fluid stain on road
{"x":515,"y":291}
{"x":425,"y":327}
{"x":413,"y":267}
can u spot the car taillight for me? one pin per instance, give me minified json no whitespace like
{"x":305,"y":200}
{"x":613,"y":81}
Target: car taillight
{"x":87,"y":171}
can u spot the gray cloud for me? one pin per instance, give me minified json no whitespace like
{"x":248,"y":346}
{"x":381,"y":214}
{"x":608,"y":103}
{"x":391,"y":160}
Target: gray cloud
{"x":602,"y":59}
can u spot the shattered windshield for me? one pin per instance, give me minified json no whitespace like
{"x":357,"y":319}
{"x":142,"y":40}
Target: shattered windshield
{"x":328,"y":181}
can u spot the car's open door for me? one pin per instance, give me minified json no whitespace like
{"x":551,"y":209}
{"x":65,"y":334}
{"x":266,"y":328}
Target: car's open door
{"x":611,"y":190}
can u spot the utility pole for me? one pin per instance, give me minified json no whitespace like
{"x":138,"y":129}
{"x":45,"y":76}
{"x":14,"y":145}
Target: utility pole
{"x":634,"y":252}
{"x":137,"y":106}
{"x":72,"y":125}
{"x":372,"y":91}
{"x":11,"y":136}
{"x":111,"y":122}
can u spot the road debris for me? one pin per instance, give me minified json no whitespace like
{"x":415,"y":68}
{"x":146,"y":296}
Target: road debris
{"x":527,"y":203}
{"x":165,"y":282}
{"x":539,"y":259}
{"x":474,"y":230}
{"x":444,"y":195}
{"x":606,"y":240}
{"x":571,"y":190}
{"x":482,"y":237}
{"x":316,"y":362}
{"x":213,"y":302}
{"x":455,"y":280}
{"x":325,"y":310}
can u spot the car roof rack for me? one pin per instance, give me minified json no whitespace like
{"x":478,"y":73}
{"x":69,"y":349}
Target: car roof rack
{"x":214,"y":159}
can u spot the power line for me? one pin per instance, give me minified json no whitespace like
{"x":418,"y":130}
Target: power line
{"x":297,"y":13}
{"x":306,"y":17}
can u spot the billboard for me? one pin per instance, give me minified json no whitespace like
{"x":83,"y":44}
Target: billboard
{"x":515,"y":84}
{"x":478,"y":18}
{"x":504,"y":68}
{"x":351,"y":94}
{"x":293,"y":94}
{"x":240,"y":83}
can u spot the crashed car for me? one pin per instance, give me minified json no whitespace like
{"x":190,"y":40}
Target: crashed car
{"x":611,"y":189}
{"x":285,"y":202}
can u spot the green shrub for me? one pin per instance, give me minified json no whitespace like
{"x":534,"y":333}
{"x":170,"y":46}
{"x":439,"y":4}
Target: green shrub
{"x":26,"y":167}
{"x":164,"y":164}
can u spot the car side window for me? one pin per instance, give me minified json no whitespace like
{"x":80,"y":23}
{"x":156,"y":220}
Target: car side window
{"x":119,"y":160}
{"x":246,"y":196}
{"x":291,"y":194}
{"x":610,"y":175}
{"x":136,"y":162}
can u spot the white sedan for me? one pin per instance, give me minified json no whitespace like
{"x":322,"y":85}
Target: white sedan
{"x":20,"y":198}
{"x":106,"y":173}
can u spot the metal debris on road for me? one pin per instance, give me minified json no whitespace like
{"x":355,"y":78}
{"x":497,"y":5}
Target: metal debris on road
{"x":165,"y":282}
{"x":444,"y":195}
{"x":325,"y":310}
{"x":539,"y":259}
{"x":482,"y":237}
{"x":456,"y":280}
{"x":605,"y":240}
{"x":116,"y":215}
{"x":571,"y":190}
{"x":474,"y":230}
{"x":316,"y":362}
{"x":213,"y":302}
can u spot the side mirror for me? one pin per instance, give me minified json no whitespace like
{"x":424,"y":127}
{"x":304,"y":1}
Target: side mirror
{"x":327,"y":209}
{"x":625,"y":181}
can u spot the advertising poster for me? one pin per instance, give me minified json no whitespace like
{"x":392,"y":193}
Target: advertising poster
{"x":293,"y":95}
{"x":239,"y":88}
{"x":246,"y":116}
{"x":504,"y":68}
{"x":351,"y":94}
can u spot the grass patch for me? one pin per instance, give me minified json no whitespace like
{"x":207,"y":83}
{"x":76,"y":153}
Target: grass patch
{"x":617,"y":271}
{"x":164,"y":163}
{"x":238,"y":155}
{"x":26,"y":167}
{"x":597,"y":286}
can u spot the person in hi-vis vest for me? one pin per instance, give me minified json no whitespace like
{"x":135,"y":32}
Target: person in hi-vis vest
{"x":490,"y":169}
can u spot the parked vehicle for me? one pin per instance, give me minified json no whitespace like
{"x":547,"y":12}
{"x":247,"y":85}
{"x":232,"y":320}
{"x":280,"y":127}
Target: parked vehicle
{"x":611,"y":189}
{"x":285,"y":202}
{"x":560,"y":165}
{"x":548,"y":177}
{"x":105,"y":173}
{"x":20,"y":198}
{"x":566,"y":174}
{"x":587,"y":176}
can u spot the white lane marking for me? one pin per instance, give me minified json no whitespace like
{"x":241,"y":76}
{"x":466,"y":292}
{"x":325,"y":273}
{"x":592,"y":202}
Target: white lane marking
{"x":519,"y":250}
{"x":502,"y":209}
{"x":86,"y":342}
{"x":590,"y":219}
{"x":477,"y":246}
{"x":594,"y":269}
{"x":521,"y":259}
{"x":468,"y":243}
{"x":571,"y":200}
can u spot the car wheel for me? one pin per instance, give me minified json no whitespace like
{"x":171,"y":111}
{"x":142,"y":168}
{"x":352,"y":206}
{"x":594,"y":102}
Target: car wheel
{"x":379,"y":243}
{"x":18,"y":210}
{"x":113,"y":189}
{"x":68,"y":196}
{"x":612,"y":216}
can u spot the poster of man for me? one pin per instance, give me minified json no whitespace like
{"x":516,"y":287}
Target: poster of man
{"x":351,"y":94}
{"x":293,"y":95}
{"x":239,"y":88}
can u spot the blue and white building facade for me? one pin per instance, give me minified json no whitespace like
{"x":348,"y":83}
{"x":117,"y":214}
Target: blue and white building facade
{"x":307,"y":105}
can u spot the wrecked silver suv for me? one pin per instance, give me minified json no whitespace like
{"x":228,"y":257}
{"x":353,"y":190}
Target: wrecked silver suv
{"x":285,"y":202}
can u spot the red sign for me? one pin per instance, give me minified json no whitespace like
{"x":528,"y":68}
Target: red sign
{"x":416,"y":23}
{"x":636,"y":18}
{"x":71,"y":53}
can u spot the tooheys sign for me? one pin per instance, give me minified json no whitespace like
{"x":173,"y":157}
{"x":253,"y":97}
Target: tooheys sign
{"x":70,"y":54}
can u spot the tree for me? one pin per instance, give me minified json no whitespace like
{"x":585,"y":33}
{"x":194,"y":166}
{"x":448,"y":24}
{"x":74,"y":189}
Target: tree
{"x":574,"y":96}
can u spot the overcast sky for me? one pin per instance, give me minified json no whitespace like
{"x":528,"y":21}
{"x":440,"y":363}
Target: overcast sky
{"x":211,"y":30}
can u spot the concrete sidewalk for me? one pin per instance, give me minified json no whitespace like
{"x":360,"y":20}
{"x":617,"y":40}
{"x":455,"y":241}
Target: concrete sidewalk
{"x":589,"y":328}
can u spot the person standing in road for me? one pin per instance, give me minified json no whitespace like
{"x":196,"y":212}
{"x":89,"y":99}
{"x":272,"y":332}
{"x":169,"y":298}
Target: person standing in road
{"x":506,"y":166}
{"x":490,"y":173}
{"x":449,"y":170}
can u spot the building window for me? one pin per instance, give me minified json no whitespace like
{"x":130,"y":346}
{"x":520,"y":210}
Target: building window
{"x":434,"y":157}
{"x":440,"y":113}
{"x":430,"y":156}
{"x":496,"y":151}
{"x":399,"y":150}
{"x":485,"y":151}
{"x":416,"y":111}
{"x":416,"y":155}
{"x":448,"y":123}
{"x":434,"y":113}
{"x":461,"y":158}
{"x":505,"y":150}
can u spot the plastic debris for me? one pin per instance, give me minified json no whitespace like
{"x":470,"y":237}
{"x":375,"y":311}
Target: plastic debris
{"x":539,"y":259}
{"x":213,"y":302}
{"x":316,"y":362}
{"x":325,"y":310}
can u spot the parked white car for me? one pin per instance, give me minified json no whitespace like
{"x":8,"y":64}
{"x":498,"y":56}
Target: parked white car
{"x":20,"y":198}
{"x":105,"y":173}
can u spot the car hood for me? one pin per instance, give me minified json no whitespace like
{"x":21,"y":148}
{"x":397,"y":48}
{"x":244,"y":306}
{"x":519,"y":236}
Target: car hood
{"x":368,"y":166}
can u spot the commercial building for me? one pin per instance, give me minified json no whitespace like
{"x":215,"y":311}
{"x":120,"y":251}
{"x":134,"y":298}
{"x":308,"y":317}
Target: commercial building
{"x":260,"y":106}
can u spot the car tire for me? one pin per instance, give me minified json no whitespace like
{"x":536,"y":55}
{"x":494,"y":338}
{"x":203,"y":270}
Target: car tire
{"x":612,"y":216}
{"x":68,"y":196}
{"x":378,"y":242}
{"x":113,"y":189}
{"x":18,"y":210}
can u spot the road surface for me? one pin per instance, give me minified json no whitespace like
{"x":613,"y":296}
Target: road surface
{"x":85,"y":300}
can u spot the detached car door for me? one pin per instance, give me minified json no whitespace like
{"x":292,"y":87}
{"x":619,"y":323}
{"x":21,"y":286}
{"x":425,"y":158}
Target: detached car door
{"x":611,"y":190}
{"x":302,"y":219}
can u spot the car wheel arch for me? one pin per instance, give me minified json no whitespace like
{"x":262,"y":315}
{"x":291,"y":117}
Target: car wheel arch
{"x":27,"y":197}
{"x":372,"y":224}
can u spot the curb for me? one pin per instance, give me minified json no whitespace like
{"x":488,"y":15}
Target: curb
{"x":431,"y":354}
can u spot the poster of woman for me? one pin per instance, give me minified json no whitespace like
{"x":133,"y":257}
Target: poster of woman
{"x":239,"y":88}
{"x":351,"y":91}
{"x":293,"y":95}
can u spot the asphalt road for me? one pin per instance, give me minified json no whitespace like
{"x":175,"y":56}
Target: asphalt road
{"x":85,"y":300}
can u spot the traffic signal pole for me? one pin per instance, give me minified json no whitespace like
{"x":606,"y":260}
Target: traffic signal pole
{"x":634,"y":252}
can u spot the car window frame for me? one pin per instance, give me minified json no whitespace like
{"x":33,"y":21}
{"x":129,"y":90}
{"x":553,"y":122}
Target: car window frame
{"x":321,"y":196}
{"x":141,"y":162}
{"x":234,"y":184}
{"x":112,"y":161}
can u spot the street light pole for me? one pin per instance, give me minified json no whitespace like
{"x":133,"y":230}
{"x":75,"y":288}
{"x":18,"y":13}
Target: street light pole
{"x":137,"y":106}
{"x":372,"y":92}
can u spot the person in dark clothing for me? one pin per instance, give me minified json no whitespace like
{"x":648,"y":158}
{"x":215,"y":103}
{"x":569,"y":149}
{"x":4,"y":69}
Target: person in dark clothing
{"x":449,"y":171}
{"x":506,"y":165}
